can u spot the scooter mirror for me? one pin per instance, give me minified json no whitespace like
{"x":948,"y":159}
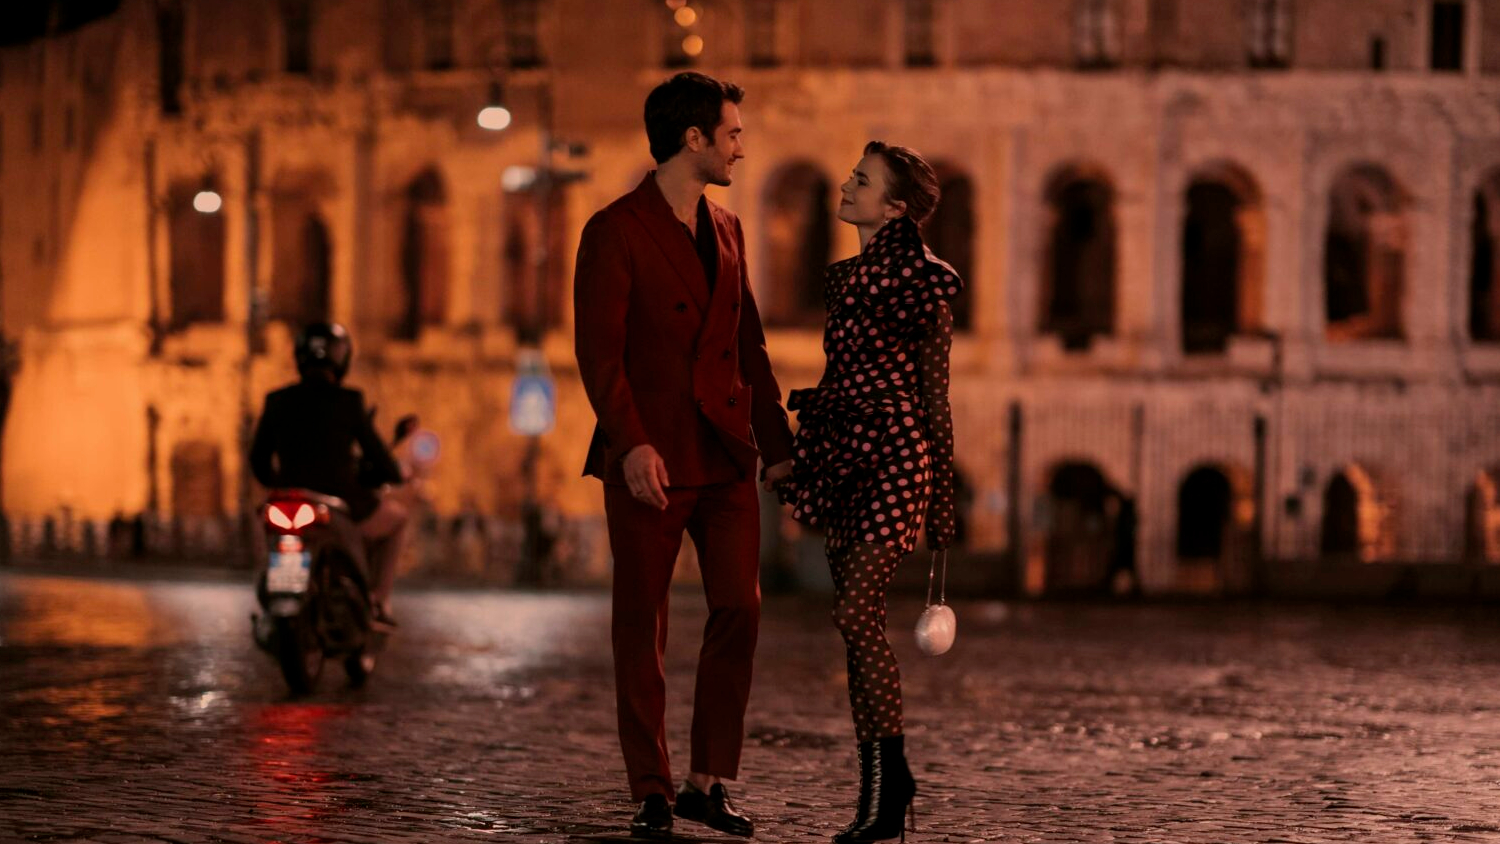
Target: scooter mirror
{"x":425,"y":447}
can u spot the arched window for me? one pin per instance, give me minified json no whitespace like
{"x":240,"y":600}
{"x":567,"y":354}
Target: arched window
{"x":1078,"y":301}
{"x":535,"y":279}
{"x":296,"y":35}
{"x":197,"y":479}
{"x":1482,"y":519}
{"x":1222,"y":236}
{"x":302,"y":252}
{"x":1356,"y":518}
{"x":1096,"y":33}
{"x":1340,"y":518}
{"x":523,"y":42}
{"x":1203,"y":510}
{"x":949,"y":233}
{"x":437,"y":34}
{"x":1364,"y":256}
{"x":762,"y":19}
{"x":798,"y":229}
{"x":1447,"y":35}
{"x":1080,"y":539}
{"x":196,"y":272}
{"x":919,"y":33}
{"x":299,"y":292}
{"x":169,"y":56}
{"x":1484,"y":269}
{"x":396,"y":40}
{"x":1215,"y":540}
{"x":1269,"y":31}
{"x":424,"y":255}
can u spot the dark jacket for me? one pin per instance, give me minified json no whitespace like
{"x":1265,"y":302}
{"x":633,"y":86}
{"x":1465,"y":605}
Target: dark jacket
{"x":307,"y":437}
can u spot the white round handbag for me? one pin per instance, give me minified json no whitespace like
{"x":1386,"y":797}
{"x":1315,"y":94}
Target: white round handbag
{"x":937,"y":626}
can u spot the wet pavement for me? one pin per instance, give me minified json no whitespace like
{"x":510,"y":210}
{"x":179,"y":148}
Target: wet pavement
{"x":139,"y":711}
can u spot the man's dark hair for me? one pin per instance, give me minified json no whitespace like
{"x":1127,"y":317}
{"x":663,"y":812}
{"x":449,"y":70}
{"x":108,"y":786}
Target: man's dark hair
{"x":912,"y":180}
{"x":686,"y":100}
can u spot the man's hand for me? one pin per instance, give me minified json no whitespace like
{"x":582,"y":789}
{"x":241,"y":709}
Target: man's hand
{"x":646,"y":475}
{"x":776,"y":474}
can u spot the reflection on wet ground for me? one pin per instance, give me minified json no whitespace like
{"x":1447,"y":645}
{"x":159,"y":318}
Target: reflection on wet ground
{"x":140,"y":711}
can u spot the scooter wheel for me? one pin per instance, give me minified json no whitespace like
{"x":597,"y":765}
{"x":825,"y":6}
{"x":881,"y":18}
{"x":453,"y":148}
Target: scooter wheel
{"x":299,"y":655}
{"x":359,"y":667}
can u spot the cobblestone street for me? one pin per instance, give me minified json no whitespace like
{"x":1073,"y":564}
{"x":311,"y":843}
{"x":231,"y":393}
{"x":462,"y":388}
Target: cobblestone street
{"x":139,"y":711}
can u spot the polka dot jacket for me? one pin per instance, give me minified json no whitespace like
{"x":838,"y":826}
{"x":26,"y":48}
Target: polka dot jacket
{"x":873,"y":458}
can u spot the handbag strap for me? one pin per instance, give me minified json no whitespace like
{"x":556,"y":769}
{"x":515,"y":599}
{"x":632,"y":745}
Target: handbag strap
{"x":943,"y":584}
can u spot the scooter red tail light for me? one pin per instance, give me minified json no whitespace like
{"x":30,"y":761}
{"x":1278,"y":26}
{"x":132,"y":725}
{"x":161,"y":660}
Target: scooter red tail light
{"x":294,"y":515}
{"x":278,"y":517}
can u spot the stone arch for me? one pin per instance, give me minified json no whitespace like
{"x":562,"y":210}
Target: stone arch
{"x":196,"y":263}
{"x":424,"y":255}
{"x":1215,"y":524}
{"x":1078,"y":532}
{"x":1357,"y":522}
{"x":1364,"y":255}
{"x":1484,"y":261}
{"x":1482,"y":518}
{"x":950,"y":232}
{"x":302,"y":250}
{"x":1079,"y":276}
{"x":1223,"y":258}
{"x":798,"y":231}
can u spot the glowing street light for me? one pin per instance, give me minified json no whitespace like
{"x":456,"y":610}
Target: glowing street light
{"x":494,"y":116}
{"x":685,"y":17}
{"x":207,"y":201}
{"x":517,"y":178}
{"x":692,"y":45}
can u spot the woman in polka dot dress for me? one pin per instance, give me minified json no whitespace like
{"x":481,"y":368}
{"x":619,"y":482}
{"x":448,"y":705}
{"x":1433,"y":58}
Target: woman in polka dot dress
{"x":874,"y":452}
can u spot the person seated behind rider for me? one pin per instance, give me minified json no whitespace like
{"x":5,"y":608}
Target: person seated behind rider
{"x":306,"y":439}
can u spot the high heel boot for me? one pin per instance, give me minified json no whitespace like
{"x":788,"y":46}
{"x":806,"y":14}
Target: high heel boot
{"x":886,"y":789}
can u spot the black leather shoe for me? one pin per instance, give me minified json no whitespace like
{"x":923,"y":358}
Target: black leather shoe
{"x":712,"y":809}
{"x":653,"y":819}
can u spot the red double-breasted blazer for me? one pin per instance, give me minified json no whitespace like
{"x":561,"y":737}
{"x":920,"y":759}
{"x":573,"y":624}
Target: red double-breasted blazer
{"x":664,"y":362}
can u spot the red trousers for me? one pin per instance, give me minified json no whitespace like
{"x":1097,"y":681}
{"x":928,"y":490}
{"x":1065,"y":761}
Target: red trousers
{"x":724,"y":523}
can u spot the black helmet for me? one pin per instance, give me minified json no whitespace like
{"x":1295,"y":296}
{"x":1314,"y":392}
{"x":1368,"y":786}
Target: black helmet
{"x":325,"y":347}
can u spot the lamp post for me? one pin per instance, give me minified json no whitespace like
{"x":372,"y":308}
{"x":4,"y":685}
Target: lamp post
{"x":208,"y":201}
{"x":533,"y":396}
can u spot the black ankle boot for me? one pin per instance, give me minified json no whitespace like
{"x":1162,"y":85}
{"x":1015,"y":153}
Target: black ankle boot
{"x":886,"y":788}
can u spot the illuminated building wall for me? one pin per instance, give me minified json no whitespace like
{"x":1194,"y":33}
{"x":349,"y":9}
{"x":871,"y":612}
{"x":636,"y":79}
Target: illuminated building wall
{"x":1177,"y":219}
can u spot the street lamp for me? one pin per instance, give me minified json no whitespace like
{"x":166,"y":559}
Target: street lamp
{"x":533,"y":396}
{"x":207,"y":200}
{"x":494,"y":116}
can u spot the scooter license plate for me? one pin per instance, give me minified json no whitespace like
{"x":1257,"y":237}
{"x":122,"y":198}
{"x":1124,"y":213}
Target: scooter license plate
{"x":289,"y":571}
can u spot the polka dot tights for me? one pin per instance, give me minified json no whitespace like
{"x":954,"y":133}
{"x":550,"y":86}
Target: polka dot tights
{"x":861,"y":574}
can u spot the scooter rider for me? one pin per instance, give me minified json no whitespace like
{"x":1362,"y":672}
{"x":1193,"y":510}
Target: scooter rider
{"x":306,"y":438}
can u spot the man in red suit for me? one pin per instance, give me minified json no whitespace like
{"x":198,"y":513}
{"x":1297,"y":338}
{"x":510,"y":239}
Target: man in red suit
{"x":673,"y":359}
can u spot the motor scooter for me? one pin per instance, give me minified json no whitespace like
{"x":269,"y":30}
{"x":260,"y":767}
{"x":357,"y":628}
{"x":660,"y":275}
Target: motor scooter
{"x":314,"y":593}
